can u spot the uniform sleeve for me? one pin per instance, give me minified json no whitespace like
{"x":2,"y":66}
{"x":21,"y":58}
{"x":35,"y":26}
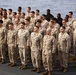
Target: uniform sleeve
{"x":41,"y":42}
{"x":31,"y":40}
{"x":15,"y":38}
{"x":31,"y":28}
{"x":5,"y":35}
{"x":56,"y":34}
{"x":68,"y":43}
{"x":28,"y":38}
{"x":58,"y":42}
{"x":54,"y":45}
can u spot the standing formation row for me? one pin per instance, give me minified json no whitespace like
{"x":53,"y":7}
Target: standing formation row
{"x":40,"y":38}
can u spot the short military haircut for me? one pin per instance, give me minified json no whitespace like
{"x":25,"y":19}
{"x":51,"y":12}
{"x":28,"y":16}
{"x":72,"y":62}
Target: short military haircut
{"x":20,"y":7}
{"x":1,"y":8}
{"x":10,"y":10}
{"x":5,"y":10}
{"x":63,"y":27}
{"x":33,"y":12}
{"x":54,"y":19}
{"x":28,"y":19}
{"x":37,"y":10}
{"x":36,"y":27}
{"x":44,"y":15}
{"x":39,"y":21}
{"x":15,"y":13}
{"x":48,"y":29}
{"x":67,"y":16}
{"x":64,"y":20}
{"x":1,"y":21}
{"x":23,"y":23}
{"x":23,"y":13}
{"x":1,"y":14}
{"x":71,"y":12}
{"x":59,"y":14}
{"x":29,"y":8}
{"x":48,"y":10}
{"x":11,"y":24}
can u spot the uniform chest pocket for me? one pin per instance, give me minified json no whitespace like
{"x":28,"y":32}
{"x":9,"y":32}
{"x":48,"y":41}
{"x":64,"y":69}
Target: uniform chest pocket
{"x":11,"y":35}
{"x":1,"y":32}
{"x":63,"y":39}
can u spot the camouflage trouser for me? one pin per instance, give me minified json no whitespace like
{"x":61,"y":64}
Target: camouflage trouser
{"x":74,"y":47}
{"x":12,"y":54}
{"x":35,"y":56}
{"x":2,"y":52}
{"x":74,"y":42}
{"x":55,"y":57}
{"x":47,"y":62}
{"x":63,"y":59}
{"x":17,"y":52}
{"x":28,"y":54}
{"x":23,"y":57}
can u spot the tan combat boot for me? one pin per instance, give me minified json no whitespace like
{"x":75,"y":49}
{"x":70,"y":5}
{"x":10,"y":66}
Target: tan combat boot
{"x":38,"y":70}
{"x":24,"y":67}
{"x":65,"y":70}
{"x":13,"y":64}
{"x":0,"y":59}
{"x":9,"y":64}
{"x":34,"y":69}
{"x":75,"y":65}
{"x":49,"y":73}
{"x":61,"y":69}
{"x":3,"y":61}
{"x":20,"y":66}
{"x":45,"y":73}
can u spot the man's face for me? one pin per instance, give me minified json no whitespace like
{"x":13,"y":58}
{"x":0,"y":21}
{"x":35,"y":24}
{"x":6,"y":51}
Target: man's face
{"x":10,"y":27}
{"x":38,"y":24}
{"x":16,"y":20}
{"x":0,"y":16}
{"x":48,"y":32}
{"x":21,"y":26}
{"x":0,"y":10}
{"x":43,"y":18}
{"x":62,"y":30}
{"x":28,"y":10}
{"x":26,"y":22}
{"x":70,"y":15}
{"x":9,"y":11}
{"x":35,"y":29}
{"x":64,"y":22}
{"x":0,"y":24}
{"x":31,"y":14}
{"x":4,"y":14}
{"x":37,"y":13}
{"x":50,"y":24}
{"x":22,"y":15}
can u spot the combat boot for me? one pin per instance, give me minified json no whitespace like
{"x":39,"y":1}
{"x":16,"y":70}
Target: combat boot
{"x":13,"y":64}
{"x":75,"y":65}
{"x":54,"y":65}
{"x":38,"y":70}
{"x":20,"y":66}
{"x":45,"y":73}
{"x":3,"y":61}
{"x":9,"y":64}
{"x":34,"y":69}
{"x":0,"y":59}
{"x":24,"y":67}
{"x":65,"y":70}
{"x":61,"y":69}
{"x":49,"y":73}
